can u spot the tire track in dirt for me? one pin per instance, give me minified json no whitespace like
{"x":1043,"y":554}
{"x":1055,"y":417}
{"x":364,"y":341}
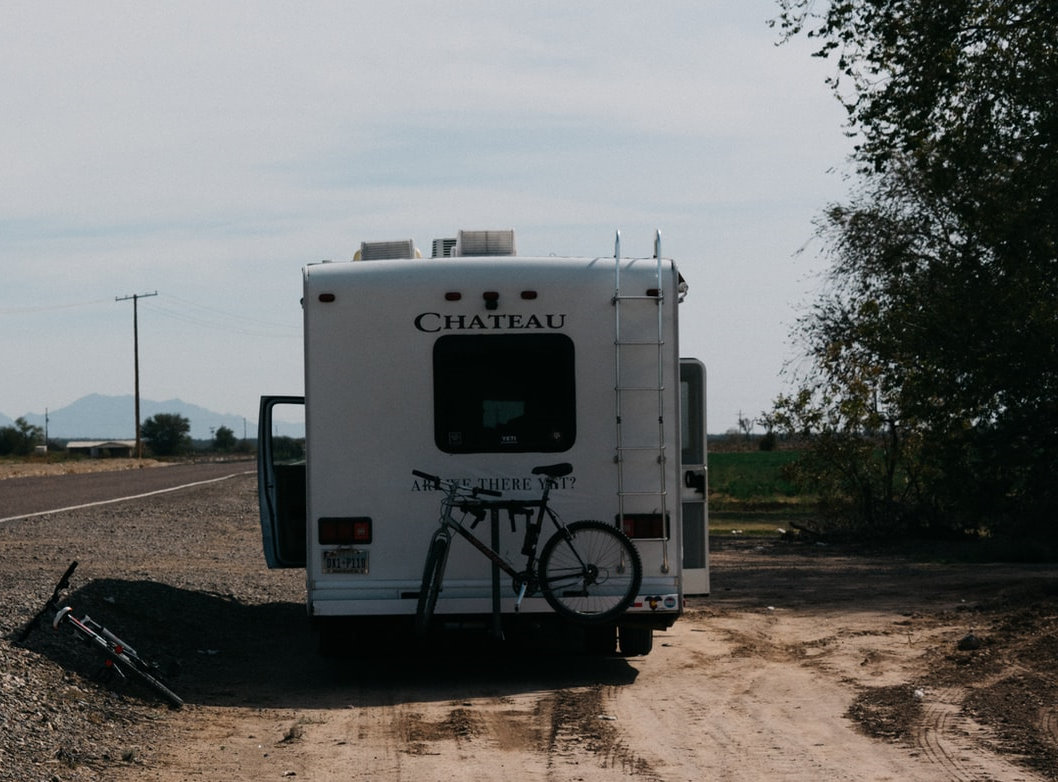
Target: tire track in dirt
{"x":952,"y":741}
{"x":935,"y":736}
{"x":581,"y":723}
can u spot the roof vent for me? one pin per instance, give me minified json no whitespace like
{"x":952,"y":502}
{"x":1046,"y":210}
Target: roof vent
{"x":384,"y":251}
{"x":485,"y":243}
{"x":443,"y":248}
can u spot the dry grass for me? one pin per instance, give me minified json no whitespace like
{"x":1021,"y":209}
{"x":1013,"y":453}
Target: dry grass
{"x":35,"y":468}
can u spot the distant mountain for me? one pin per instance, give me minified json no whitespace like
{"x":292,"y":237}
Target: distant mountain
{"x":98,"y":417}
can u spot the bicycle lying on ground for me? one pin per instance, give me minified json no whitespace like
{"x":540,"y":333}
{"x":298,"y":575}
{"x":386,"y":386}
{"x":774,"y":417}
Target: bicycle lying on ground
{"x":119,"y":659}
{"x":588,"y":571}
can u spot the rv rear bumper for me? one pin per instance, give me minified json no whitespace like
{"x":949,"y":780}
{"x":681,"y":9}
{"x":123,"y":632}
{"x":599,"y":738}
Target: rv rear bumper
{"x":654,"y":611}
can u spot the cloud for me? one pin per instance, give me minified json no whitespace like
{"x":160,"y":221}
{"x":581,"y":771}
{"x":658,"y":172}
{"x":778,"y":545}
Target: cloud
{"x":208,"y":150}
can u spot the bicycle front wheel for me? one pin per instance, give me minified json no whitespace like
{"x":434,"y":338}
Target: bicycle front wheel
{"x":590,"y":572}
{"x":136,"y":668}
{"x":432,"y":575}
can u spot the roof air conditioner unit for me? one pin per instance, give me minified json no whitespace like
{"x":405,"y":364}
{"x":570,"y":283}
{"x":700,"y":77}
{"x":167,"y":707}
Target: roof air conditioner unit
{"x":384,"y":251}
{"x":485,"y":243}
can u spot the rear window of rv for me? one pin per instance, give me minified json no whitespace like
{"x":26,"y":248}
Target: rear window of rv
{"x":496,"y":393}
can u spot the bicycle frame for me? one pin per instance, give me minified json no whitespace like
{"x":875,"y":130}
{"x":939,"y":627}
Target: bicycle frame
{"x":119,"y":656}
{"x":526,"y":576}
{"x":91,"y":630}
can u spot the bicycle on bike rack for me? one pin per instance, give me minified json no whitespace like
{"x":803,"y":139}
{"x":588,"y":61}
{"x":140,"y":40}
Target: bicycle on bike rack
{"x":119,"y":659}
{"x":588,"y":571}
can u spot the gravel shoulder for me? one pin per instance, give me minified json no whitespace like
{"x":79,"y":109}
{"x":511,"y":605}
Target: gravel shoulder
{"x":806,"y":663}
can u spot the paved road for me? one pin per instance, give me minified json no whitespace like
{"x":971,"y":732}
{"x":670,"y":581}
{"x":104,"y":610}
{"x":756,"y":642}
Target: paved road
{"x":23,"y":496}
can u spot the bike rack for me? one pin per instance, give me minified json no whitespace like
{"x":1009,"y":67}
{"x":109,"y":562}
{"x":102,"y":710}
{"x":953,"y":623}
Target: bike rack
{"x":494,"y":508}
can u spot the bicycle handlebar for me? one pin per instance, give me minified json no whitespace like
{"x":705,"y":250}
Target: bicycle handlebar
{"x":437,"y":482}
{"x":64,"y":581}
{"x":53,"y":601}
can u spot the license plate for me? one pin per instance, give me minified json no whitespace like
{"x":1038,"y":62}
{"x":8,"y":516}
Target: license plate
{"x":345,"y":561}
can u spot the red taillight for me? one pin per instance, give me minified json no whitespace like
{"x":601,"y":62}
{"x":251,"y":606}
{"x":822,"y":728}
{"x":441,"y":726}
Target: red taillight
{"x":643,"y":525}
{"x":453,"y":296}
{"x":326,"y":298}
{"x":344,"y":530}
{"x":528,"y":295}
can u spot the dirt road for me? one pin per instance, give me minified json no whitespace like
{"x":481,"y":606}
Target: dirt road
{"x":806,"y":663}
{"x":743,"y":688}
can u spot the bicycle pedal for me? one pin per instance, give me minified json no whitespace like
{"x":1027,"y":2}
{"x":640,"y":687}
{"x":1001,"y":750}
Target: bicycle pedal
{"x":521,"y":596}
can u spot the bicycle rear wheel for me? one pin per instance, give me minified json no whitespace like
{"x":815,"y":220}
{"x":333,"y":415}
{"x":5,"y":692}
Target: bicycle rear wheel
{"x":432,"y":575}
{"x":590,"y":572}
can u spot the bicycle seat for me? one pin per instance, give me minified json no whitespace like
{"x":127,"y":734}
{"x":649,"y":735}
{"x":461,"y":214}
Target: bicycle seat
{"x":554,"y":470}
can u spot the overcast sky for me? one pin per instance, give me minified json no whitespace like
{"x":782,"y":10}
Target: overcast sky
{"x":207,"y":151}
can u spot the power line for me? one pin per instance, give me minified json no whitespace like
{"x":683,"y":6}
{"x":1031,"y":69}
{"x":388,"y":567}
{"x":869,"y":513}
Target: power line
{"x":229,"y":314}
{"x":49,"y":307}
{"x":215,"y":324}
{"x":196,"y":314}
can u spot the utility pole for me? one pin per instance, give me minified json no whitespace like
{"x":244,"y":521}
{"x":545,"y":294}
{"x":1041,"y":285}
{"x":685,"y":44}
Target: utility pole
{"x":136,"y":358}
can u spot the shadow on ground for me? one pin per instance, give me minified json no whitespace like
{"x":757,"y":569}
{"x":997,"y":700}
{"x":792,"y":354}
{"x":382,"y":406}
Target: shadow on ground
{"x":225,"y":652}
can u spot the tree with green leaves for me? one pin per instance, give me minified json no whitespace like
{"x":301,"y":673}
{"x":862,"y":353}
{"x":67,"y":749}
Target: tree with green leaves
{"x":167,"y":434}
{"x":932,"y":390}
{"x":224,"y":440}
{"x":20,"y":439}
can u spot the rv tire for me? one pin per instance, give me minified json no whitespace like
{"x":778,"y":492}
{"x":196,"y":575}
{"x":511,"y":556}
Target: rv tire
{"x":600,"y":641}
{"x":636,"y":641}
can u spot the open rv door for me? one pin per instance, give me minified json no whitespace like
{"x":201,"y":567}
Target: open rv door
{"x":694,"y":483}
{"x":281,"y":487}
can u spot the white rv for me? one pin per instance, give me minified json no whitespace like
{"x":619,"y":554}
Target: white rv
{"x":478,"y":364}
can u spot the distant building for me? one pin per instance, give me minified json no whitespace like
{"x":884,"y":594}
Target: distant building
{"x":102,"y":449}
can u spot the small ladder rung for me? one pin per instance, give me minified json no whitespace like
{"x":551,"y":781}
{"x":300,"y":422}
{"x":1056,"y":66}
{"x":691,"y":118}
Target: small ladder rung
{"x":642,"y":494}
{"x":648,"y":343}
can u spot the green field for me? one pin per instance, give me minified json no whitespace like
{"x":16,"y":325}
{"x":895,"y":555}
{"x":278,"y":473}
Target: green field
{"x":748,"y":493}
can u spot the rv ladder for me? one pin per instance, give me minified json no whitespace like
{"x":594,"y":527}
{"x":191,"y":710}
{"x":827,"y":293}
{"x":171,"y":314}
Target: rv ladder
{"x":639,"y":382}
